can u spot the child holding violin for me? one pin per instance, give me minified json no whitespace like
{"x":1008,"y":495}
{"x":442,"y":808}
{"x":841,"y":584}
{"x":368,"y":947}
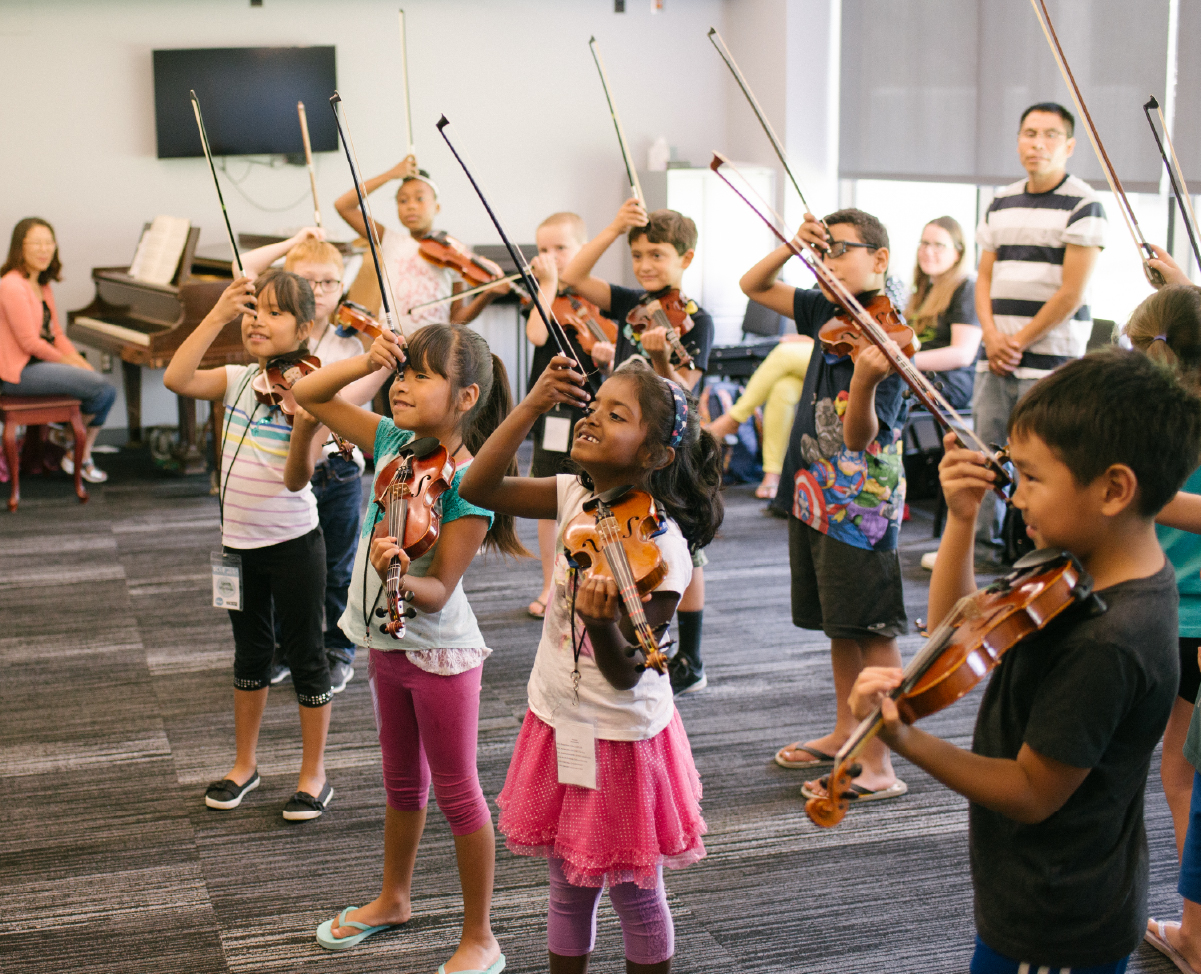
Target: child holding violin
{"x":1070,"y":719}
{"x":842,"y":485}
{"x":662,"y":245}
{"x":629,"y":803}
{"x":335,"y":481}
{"x":269,"y":524}
{"x":426,"y":685}
{"x":416,"y":271}
{"x":559,"y":238}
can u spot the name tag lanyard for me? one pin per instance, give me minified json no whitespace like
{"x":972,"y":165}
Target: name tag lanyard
{"x":227,"y":567}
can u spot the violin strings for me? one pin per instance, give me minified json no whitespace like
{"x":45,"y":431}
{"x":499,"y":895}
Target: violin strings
{"x":622,"y":573}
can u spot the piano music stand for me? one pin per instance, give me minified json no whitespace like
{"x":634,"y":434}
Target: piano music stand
{"x":29,"y":411}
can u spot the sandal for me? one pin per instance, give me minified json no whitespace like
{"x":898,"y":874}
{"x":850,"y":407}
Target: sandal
{"x":326,"y":938}
{"x":498,"y":965}
{"x":858,"y":794}
{"x":820,"y":758}
{"x":541,"y":611}
{"x":1158,"y":938}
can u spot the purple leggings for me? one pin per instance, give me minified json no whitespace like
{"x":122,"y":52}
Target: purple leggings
{"x":646,"y":927}
{"x":427,"y":729}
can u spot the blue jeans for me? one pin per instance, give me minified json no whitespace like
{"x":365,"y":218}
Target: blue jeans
{"x":987,"y":961}
{"x":993,"y":400}
{"x":1190,"y":863}
{"x":95,"y":395}
{"x":339,"y":492}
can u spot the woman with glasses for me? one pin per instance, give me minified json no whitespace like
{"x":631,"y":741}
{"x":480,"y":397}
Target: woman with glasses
{"x":942,"y":311}
{"x":36,"y":357}
{"x":335,"y":480}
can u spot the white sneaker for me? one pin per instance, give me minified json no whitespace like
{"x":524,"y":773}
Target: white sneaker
{"x":90,"y":472}
{"x":928,"y":560}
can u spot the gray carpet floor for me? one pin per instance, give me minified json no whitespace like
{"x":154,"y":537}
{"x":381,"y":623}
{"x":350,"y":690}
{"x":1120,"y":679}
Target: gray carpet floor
{"x":117,"y":712}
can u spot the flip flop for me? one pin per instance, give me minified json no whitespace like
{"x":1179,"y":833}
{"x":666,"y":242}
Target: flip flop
{"x":540,"y":614}
{"x":1159,"y":940}
{"x":821,"y":758}
{"x":858,"y":794}
{"x":766,"y":492}
{"x":497,"y":966}
{"x":327,"y":940}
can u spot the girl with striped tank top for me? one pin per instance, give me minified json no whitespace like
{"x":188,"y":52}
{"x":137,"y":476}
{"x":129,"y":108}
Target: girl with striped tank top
{"x":426,"y":686}
{"x":269,"y":520}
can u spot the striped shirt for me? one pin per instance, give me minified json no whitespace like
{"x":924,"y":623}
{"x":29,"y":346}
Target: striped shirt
{"x":256,"y":508}
{"x":1029,"y":233}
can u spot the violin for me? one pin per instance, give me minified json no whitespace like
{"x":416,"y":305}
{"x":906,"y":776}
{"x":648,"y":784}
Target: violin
{"x":842,"y":334}
{"x":965,"y":648}
{"x":409,"y":488}
{"x":443,"y":250}
{"x":669,"y":310}
{"x":273,"y":387}
{"x":611,"y":538}
{"x":585,"y":317}
{"x":354,"y":317}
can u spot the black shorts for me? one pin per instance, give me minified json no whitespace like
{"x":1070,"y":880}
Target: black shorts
{"x":1190,"y":673}
{"x":846,"y":592}
{"x":549,"y":463}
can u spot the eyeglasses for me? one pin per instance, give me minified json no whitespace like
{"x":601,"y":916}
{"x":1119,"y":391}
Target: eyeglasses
{"x":840,"y":247}
{"x":931,"y":245}
{"x":324,"y":285}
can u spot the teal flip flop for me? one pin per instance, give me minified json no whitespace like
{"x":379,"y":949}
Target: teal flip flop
{"x":326,"y":938}
{"x":496,"y":968}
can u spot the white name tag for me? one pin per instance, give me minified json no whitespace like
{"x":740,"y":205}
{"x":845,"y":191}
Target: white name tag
{"x":575,"y":748}
{"x":556,"y":434}
{"x":227,"y":580}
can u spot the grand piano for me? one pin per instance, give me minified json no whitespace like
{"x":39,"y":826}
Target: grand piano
{"x":145,"y":323}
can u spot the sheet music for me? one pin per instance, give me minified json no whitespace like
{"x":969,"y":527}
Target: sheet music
{"x":159,"y":250}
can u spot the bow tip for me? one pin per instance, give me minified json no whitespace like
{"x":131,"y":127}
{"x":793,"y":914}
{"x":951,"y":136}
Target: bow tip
{"x":442,"y":123}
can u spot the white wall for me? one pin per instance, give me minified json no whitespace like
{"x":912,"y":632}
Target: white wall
{"x":515,"y":78}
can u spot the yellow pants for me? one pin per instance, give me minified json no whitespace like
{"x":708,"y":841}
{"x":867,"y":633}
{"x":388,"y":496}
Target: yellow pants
{"x":776,"y":385}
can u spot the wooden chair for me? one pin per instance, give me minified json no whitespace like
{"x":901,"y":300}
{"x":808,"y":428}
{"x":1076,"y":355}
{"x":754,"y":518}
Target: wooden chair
{"x":31,"y":411}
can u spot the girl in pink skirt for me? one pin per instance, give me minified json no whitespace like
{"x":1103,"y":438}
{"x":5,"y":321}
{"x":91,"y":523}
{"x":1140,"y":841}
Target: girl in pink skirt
{"x":602,"y":780}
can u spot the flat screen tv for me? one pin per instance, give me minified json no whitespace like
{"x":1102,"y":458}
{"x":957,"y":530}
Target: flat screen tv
{"x":248,"y":96}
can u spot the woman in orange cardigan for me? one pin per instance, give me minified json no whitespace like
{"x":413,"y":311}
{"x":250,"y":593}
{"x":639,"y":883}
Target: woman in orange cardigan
{"x":36,"y":358}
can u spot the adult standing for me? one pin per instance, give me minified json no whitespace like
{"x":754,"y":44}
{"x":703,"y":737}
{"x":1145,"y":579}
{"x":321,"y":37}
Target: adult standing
{"x":36,"y":357}
{"x":1040,"y":240}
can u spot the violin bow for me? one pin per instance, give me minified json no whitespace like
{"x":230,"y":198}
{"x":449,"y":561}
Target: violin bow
{"x":523,"y":268}
{"x":404,"y":70}
{"x":1175,"y":175}
{"x":507,"y":279}
{"x":1115,"y":184}
{"x":204,"y":141}
{"x":631,"y":172}
{"x":308,"y":161}
{"x":927,"y":394}
{"x":381,"y":273}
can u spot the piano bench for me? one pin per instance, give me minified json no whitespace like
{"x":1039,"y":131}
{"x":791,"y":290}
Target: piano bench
{"x":31,"y":411}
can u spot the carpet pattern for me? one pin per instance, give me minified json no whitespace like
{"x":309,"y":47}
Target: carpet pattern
{"x":118,"y":713}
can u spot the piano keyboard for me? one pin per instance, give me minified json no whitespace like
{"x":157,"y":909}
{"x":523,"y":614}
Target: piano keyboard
{"x":117,"y":331}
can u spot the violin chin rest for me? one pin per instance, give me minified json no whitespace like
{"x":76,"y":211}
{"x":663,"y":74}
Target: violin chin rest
{"x":423,"y":447}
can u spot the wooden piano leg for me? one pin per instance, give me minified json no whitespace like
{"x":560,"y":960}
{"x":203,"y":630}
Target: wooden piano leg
{"x":133,"y":401}
{"x":191,"y":460}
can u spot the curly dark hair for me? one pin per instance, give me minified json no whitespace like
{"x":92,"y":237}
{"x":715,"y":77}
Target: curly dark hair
{"x":688,"y":489}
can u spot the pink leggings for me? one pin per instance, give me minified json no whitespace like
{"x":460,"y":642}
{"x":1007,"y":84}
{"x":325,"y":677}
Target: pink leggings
{"x":646,"y":927}
{"x":427,"y":729}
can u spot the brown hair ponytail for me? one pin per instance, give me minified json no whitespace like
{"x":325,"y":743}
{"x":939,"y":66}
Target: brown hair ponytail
{"x":1167,"y":329}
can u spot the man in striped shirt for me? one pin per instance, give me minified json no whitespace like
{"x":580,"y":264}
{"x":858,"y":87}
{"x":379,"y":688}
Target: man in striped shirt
{"x":1039,"y":242}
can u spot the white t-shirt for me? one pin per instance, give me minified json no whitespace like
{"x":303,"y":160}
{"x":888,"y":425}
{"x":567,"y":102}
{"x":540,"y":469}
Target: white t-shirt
{"x":257,"y":509}
{"x":415,"y":280}
{"x":334,"y":348}
{"x":637,"y":714}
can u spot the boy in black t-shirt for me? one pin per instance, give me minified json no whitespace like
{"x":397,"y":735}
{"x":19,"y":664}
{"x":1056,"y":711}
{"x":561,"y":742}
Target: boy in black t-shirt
{"x":1071,"y":716}
{"x":662,"y":245}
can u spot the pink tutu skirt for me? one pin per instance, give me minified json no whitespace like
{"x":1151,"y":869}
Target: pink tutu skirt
{"x":644,"y":812}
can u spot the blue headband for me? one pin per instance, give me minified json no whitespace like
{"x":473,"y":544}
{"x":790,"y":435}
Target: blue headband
{"x":681,"y":423}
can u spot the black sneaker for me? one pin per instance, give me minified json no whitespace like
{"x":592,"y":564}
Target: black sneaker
{"x":340,"y":673}
{"x":279,"y":673}
{"x":685,"y":678}
{"x":302,"y":806}
{"x":227,"y":793}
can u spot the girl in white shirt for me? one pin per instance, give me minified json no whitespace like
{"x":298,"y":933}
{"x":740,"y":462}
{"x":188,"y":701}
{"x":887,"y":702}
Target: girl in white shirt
{"x":644,"y":811}
{"x":426,"y":686}
{"x":269,"y":521}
